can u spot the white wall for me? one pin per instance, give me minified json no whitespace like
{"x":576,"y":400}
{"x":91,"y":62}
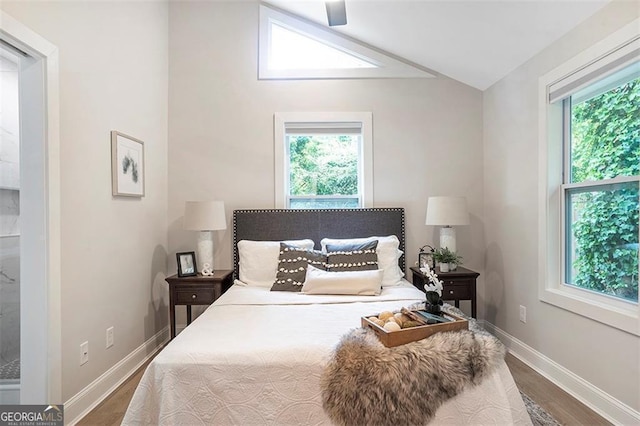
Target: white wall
{"x":113,"y":76}
{"x":427,"y":132}
{"x":601,"y":355}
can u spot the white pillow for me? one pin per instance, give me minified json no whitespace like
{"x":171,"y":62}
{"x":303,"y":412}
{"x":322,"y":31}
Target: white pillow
{"x":362,"y":283}
{"x":258,"y":260}
{"x":388,"y":255}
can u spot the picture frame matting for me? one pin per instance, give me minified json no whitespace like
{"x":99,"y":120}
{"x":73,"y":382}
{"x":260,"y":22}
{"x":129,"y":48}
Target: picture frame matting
{"x":127,"y":165}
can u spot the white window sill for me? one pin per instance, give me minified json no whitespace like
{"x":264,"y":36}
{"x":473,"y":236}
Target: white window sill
{"x":616,"y":313}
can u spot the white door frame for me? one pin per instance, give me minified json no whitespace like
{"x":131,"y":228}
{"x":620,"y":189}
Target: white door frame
{"x":40,"y":308}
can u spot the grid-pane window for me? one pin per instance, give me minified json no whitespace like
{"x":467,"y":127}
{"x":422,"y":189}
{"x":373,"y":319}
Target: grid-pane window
{"x":601,"y":185}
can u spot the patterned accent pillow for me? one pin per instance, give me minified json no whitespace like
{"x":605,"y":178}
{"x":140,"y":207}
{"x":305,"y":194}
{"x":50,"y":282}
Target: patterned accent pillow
{"x":292,"y":267}
{"x":352,"y":257}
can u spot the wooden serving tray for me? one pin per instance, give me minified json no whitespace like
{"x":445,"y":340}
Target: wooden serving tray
{"x":407,"y":335}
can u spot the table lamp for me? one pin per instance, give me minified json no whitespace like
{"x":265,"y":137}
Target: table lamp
{"x":447,"y":212}
{"x":204,"y":216}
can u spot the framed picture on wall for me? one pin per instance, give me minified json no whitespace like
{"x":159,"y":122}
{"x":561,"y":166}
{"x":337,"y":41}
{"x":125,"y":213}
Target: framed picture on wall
{"x":127,"y":165}
{"x":187,"y":264}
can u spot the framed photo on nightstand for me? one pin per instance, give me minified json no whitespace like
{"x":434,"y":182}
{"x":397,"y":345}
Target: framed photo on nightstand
{"x":187,"y":264}
{"x":425,"y":258}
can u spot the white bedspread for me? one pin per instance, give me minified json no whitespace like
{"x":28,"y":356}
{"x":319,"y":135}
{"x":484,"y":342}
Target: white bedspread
{"x":255,"y":357}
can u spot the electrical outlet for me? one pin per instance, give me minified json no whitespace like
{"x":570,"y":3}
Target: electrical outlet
{"x":84,"y":353}
{"x":109,"y":337}
{"x":523,"y":314}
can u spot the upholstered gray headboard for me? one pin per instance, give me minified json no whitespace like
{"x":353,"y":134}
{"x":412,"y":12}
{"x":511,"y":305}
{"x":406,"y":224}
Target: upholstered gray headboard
{"x":278,"y":225}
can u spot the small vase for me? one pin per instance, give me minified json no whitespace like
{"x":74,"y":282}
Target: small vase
{"x":432,"y":309}
{"x":433,"y":302}
{"x":453,"y":266}
{"x":444,"y":267}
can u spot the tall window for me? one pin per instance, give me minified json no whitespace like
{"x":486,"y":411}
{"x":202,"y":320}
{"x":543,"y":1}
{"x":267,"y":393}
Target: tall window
{"x":590,"y":149}
{"x":602,"y":146}
{"x":323,"y":160}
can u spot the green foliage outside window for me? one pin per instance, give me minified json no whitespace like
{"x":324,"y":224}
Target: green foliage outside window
{"x":605,"y":144}
{"x":323,"y":165}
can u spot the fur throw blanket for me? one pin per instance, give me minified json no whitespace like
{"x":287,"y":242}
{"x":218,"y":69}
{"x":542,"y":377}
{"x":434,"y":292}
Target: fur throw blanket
{"x":366,"y":383}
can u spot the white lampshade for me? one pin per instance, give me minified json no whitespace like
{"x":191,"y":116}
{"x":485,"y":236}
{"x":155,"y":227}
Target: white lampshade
{"x":204,"y":216}
{"x":447,"y":211}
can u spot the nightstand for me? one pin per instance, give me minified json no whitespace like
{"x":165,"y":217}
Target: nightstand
{"x":457,"y":285}
{"x":196,"y":290}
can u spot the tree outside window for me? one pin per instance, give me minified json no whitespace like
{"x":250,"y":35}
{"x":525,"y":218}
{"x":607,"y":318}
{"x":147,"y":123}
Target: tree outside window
{"x":323,"y":171}
{"x":602,"y":206}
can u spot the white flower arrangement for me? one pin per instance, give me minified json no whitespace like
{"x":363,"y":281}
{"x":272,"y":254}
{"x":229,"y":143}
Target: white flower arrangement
{"x":433,"y":283}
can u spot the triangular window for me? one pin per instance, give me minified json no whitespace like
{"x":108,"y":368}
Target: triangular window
{"x":293,"y":48}
{"x":290,"y":50}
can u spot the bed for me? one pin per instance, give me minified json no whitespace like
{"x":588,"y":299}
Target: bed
{"x":257,"y":356}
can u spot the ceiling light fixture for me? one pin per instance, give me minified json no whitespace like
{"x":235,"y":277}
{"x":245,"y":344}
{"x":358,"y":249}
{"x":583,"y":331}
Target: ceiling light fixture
{"x":336,"y":12}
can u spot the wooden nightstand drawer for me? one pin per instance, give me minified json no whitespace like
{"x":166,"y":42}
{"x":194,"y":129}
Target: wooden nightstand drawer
{"x":456,"y":292}
{"x":458,"y":281}
{"x":196,"y":290}
{"x":199,"y":296}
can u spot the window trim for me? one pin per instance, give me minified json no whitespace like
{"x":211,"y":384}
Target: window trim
{"x":552,"y":289}
{"x":281,"y":119}
{"x":387,"y":64}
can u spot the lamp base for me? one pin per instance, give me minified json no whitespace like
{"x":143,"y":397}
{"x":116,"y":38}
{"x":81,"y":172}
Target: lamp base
{"x":448,"y":238}
{"x":205,"y":250}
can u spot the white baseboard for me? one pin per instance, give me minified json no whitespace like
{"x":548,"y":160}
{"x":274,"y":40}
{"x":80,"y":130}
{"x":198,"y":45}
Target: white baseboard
{"x":596,"y":399}
{"x":88,"y":398}
{"x":9,"y":393}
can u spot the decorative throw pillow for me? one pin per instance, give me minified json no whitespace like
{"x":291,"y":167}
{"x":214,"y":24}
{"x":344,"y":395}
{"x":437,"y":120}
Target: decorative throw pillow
{"x":292,"y":266}
{"x":259,"y":260}
{"x":352,"y":257}
{"x":388,"y":252}
{"x":362,"y":283}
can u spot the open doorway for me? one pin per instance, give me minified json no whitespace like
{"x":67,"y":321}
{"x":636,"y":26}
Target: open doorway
{"x":30,"y":365}
{"x":9,"y":218}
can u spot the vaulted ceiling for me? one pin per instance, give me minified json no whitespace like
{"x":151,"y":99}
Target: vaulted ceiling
{"x":474,"y":41}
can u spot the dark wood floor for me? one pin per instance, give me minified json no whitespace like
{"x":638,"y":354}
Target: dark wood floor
{"x":562,"y":406}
